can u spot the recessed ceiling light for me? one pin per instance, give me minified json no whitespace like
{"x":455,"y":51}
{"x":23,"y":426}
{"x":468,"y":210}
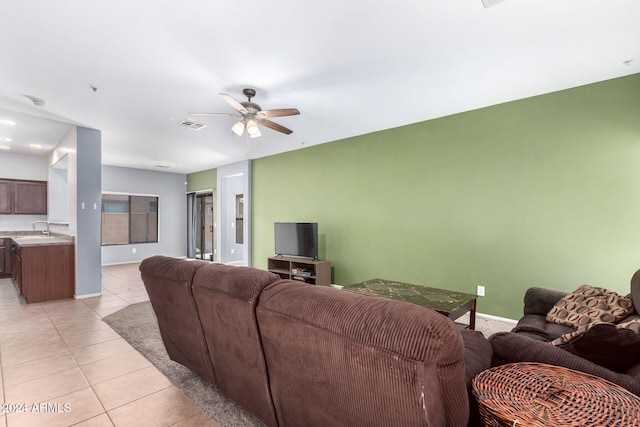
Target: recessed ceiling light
{"x":35,"y":146}
{"x":7,"y":122}
{"x":4,"y":139}
{"x":5,"y":147}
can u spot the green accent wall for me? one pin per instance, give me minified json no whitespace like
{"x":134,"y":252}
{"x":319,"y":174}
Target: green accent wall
{"x":543,"y":191}
{"x":205,"y":180}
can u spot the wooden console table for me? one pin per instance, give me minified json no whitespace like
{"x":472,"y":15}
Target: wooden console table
{"x":307,"y":270}
{"x":451,"y":304}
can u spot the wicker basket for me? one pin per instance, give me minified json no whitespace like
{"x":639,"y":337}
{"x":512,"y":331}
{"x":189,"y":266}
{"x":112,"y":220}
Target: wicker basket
{"x":536,"y":394}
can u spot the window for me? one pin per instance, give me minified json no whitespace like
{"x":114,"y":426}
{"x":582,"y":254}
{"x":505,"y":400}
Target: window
{"x":129,"y":219}
{"x":239,"y":219}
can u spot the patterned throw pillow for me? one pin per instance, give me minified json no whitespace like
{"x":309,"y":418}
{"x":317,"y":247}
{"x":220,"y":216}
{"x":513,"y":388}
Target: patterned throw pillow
{"x":633,"y":324}
{"x":616,"y":347}
{"x":588,"y":304}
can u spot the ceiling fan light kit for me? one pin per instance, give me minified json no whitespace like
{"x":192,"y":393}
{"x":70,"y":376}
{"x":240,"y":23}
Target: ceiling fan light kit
{"x":251,"y":115}
{"x":252,"y":129}
{"x":238,"y":128}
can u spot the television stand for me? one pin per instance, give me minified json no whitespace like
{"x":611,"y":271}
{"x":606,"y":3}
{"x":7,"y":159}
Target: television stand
{"x":308,"y":270}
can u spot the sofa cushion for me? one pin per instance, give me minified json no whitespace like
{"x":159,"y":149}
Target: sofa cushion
{"x":541,"y":300}
{"x":536,"y":326}
{"x":477,"y":354}
{"x":616,"y":347}
{"x":633,"y":324}
{"x":337,"y":358}
{"x":588,"y":304}
{"x":477,"y":358}
{"x":168,"y":284}
{"x":509,"y":347}
{"x":226,"y":298}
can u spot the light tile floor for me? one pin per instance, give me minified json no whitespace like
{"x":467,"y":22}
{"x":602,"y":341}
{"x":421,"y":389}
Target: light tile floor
{"x":61,"y":365}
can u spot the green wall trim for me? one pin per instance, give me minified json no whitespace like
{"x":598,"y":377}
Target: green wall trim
{"x":537,"y":192}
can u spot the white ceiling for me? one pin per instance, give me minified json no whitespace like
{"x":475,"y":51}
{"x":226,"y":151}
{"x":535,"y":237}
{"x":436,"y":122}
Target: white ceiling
{"x":350,"y":67}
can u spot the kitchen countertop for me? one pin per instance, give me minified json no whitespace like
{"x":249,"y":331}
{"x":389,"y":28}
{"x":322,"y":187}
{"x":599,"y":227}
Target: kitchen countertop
{"x":36,"y":238}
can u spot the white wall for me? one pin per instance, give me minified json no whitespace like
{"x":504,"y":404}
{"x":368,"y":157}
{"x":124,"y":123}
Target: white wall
{"x":233,"y":179}
{"x":17,"y":166}
{"x":80,"y":150}
{"x":230,"y":188}
{"x":59,"y":191}
{"x":67,"y":149}
{"x":172,"y":212}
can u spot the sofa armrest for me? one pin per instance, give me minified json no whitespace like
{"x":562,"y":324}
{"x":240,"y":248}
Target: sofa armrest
{"x":541,"y":300}
{"x":509,"y":347}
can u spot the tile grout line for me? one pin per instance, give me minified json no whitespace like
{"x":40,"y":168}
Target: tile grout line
{"x":89,"y":384}
{"x":130,"y":285}
{"x":158,"y":391}
{"x":106,"y":413}
{"x":81,"y":371}
{"x":4,"y":393}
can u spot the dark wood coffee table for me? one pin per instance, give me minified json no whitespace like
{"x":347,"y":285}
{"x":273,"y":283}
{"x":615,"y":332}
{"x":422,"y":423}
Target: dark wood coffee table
{"x":450,"y":303}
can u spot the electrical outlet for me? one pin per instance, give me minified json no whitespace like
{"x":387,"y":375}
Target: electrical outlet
{"x":133,"y":250}
{"x":480,"y":291}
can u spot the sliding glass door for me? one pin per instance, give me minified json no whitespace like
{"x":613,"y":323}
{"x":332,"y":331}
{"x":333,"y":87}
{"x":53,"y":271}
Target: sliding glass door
{"x":201,"y":229}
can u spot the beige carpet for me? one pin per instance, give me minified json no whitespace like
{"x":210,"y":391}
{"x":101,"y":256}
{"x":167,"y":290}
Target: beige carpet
{"x":489,"y":325}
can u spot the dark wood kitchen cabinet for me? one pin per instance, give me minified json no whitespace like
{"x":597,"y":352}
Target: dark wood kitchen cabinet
{"x":16,"y":267}
{"x":5,"y":196}
{"x":44,"y":272}
{"x":5,"y":251}
{"x":23,"y":197}
{"x":30,"y":197}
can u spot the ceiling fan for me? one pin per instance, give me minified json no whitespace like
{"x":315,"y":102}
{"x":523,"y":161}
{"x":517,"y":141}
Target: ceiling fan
{"x":251,"y":115}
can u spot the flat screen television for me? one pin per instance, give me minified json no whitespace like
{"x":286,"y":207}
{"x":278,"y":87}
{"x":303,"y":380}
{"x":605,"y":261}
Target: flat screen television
{"x":297,"y":239}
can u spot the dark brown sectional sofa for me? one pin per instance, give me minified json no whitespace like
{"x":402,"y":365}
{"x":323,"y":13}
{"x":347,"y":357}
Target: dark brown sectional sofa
{"x":530,"y":341}
{"x":300,"y":355}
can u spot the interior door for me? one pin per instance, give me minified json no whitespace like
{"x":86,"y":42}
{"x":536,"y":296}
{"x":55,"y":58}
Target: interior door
{"x":205,"y":228}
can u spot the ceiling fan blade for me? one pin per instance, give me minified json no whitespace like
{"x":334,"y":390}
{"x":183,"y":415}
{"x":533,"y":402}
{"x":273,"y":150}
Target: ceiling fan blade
{"x":215,"y":114}
{"x":275,"y":126}
{"x":235,"y":104}
{"x":279,"y":112}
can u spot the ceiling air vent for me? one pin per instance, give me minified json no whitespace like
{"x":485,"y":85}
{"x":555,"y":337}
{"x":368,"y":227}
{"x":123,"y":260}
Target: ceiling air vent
{"x":191,"y":124}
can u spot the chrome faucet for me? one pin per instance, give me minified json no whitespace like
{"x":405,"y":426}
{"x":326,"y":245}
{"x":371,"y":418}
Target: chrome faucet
{"x":47,"y":231}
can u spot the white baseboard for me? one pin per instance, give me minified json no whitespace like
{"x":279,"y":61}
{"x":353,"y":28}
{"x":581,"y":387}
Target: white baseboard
{"x":97,"y":294}
{"x":236,"y":263}
{"x":499,"y":319}
{"x":122,"y":263}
